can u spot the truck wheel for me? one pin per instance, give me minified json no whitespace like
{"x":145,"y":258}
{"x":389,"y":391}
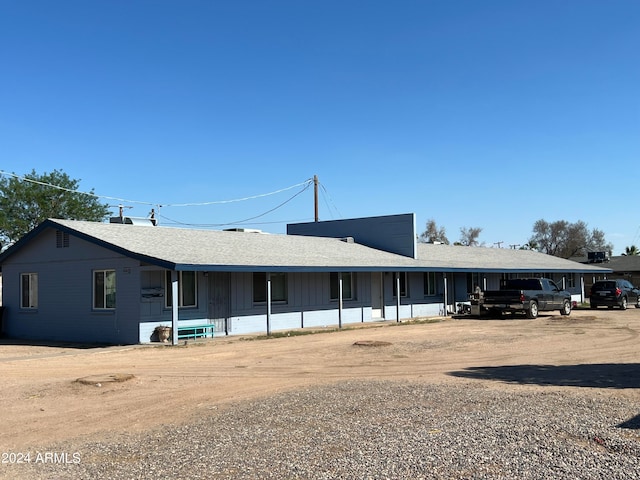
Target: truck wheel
{"x":566,"y":308}
{"x":533,"y":310}
{"x":623,"y":303}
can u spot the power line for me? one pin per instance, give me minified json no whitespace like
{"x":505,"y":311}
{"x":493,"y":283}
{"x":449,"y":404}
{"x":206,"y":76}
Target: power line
{"x":306,"y":187}
{"x":158,"y":204}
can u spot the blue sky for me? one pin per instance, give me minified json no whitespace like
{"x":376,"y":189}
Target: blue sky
{"x":489,"y":114}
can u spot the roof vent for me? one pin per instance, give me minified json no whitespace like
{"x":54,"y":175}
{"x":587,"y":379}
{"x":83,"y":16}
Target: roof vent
{"x":246,"y":230}
{"x":133,"y":220}
{"x":348,"y":240}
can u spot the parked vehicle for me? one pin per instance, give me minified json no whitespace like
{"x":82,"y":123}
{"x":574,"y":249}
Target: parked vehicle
{"x":525,"y":295}
{"x":614,"y":293}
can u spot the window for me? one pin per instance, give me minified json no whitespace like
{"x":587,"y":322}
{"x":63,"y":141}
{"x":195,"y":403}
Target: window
{"x":403,"y":284}
{"x":29,"y":290}
{"x":104,"y":289}
{"x":429,"y":283}
{"x":278,"y":287}
{"x":187,"y":289}
{"x":347,"y":285}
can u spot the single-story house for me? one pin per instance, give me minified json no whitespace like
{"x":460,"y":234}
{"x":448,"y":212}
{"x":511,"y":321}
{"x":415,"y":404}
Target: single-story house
{"x":619,"y":266}
{"x":115,"y":283}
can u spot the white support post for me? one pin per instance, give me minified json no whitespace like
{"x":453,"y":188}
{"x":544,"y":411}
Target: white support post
{"x":175,"y":302}
{"x":444,"y":277}
{"x":397,"y":297}
{"x":339,"y":299}
{"x":268,"y":304}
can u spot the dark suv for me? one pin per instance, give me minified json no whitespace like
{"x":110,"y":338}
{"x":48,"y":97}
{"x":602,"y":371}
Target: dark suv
{"x":614,"y":293}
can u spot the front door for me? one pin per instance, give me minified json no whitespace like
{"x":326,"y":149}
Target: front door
{"x":219,"y":301}
{"x":376,"y":295}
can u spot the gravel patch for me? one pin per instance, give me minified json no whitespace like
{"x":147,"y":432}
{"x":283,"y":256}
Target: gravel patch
{"x":376,"y":430}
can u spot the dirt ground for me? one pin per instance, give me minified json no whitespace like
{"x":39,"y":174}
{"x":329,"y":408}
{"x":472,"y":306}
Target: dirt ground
{"x":43,"y":402}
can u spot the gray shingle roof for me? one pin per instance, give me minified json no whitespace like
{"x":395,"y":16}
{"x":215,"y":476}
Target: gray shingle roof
{"x":453,"y":257}
{"x":190,"y":249}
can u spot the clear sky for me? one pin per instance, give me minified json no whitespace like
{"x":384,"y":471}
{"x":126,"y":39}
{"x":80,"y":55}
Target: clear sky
{"x":489,"y":114}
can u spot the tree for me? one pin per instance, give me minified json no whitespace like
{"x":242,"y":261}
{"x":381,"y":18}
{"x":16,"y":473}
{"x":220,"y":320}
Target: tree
{"x":27,"y":201}
{"x":631,"y":251}
{"x":564,"y":239}
{"x":469,"y":236}
{"x":433,"y":234}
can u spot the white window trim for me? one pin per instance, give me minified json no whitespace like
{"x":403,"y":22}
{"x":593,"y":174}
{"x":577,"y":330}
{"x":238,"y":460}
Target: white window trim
{"x":93,"y":280}
{"x":33,"y":291}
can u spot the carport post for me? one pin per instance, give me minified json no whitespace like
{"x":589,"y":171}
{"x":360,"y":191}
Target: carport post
{"x":339,"y":299}
{"x":444,"y":278}
{"x":174,"y":306}
{"x":268,"y":303}
{"x":397,"y":285}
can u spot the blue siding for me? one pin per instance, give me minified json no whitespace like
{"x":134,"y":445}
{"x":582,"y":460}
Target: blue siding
{"x":65,"y":293}
{"x":391,"y":233}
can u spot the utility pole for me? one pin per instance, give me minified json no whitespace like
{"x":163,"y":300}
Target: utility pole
{"x":315,"y":197}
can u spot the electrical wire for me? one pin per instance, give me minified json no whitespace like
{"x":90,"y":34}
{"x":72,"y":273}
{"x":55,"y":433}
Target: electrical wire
{"x":306,"y":183}
{"x":324,"y":197}
{"x":240,"y":222}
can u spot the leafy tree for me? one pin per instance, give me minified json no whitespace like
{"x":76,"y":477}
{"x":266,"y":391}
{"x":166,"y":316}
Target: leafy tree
{"x":433,"y":234}
{"x":469,"y":236}
{"x":26,"y":202}
{"x":564,"y":239}
{"x":631,"y":251}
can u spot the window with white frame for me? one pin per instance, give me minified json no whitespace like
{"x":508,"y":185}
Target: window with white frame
{"x":104,"y":289}
{"x":29,"y":290}
{"x":403,"y":284}
{"x":348,"y":292}
{"x":279,"y":291}
{"x":429,"y":284}
{"x":187,"y":289}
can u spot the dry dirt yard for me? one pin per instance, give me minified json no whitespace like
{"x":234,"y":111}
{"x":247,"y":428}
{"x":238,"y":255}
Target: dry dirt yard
{"x":44,"y":405}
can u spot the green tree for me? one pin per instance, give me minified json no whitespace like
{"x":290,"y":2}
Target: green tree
{"x":565,"y":239}
{"x":433,"y":233}
{"x":631,"y":251}
{"x":27,"y":201}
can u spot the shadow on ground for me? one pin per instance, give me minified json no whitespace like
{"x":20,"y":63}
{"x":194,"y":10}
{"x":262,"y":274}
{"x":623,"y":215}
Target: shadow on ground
{"x":599,"y":375}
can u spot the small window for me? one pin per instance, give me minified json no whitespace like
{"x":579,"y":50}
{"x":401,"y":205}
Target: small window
{"x":347,"y":286}
{"x":187,"y":289}
{"x":429,"y":284}
{"x":278,"y":287}
{"x":403,"y":284}
{"x":29,"y":290}
{"x":104,"y":289}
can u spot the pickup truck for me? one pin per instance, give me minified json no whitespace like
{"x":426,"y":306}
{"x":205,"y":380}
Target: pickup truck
{"x":525,"y":295}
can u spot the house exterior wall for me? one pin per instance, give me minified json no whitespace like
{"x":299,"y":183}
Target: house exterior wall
{"x":65,"y":293}
{"x":308,"y":304}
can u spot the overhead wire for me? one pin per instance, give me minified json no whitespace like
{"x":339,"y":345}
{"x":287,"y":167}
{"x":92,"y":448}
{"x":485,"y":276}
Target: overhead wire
{"x":305,"y":186}
{"x":324,"y":197}
{"x":158,"y":204}
{"x":244,"y":221}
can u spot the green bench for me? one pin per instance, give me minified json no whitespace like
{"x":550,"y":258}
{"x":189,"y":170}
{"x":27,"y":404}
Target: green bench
{"x":196,"y":331}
